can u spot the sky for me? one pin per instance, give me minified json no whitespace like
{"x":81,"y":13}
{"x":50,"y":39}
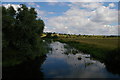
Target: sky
{"x":86,"y":18}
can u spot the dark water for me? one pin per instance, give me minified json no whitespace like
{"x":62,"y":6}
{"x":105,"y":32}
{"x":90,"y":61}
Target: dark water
{"x":29,"y":70}
{"x":60,"y":65}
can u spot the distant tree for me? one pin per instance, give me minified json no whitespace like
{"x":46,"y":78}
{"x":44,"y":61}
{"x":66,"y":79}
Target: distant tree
{"x":48,"y":35}
{"x":54,"y":33}
{"x":55,"y":36}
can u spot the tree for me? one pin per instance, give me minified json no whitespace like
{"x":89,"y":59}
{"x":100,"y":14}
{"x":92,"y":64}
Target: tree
{"x":48,"y":35}
{"x":8,"y":22}
{"x":21,"y":30}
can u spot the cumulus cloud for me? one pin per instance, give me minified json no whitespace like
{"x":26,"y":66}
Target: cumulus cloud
{"x":57,"y":3}
{"x":40,"y":13}
{"x":112,"y":5}
{"x":33,"y":4}
{"x":60,"y":0}
{"x":15,"y":6}
{"x":81,"y":18}
{"x":105,"y":15}
{"x":51,"y":12}
{"x":87,"y":5}
{"x":95,"y":18}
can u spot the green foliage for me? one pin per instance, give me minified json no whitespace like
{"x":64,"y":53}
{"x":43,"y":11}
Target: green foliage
{"x":48,"y":35}
{"x":55,"y":36}
{"x":21,"y":33}
{"x":96,"y":51}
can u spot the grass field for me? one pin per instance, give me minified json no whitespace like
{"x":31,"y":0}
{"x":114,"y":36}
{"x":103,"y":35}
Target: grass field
{"x":98,"y":41}
{"x":107,"y":43}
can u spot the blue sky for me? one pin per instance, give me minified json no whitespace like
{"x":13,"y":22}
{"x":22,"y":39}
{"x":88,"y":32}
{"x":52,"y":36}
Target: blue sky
{"x":76,"y":17}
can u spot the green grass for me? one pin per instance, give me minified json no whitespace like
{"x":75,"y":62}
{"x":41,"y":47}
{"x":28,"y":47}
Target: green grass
{"x":107,"y":43}
{"x":98,"y":47}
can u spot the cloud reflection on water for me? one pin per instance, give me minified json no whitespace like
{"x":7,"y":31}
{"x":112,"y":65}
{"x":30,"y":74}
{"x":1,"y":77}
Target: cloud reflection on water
{"x":59,"y":65}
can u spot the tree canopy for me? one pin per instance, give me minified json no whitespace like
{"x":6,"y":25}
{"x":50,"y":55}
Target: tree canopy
{"x":21,"y":29}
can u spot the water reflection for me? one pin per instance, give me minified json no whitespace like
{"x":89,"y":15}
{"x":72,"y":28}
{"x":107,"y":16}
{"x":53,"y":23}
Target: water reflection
{"x":68,"y":65}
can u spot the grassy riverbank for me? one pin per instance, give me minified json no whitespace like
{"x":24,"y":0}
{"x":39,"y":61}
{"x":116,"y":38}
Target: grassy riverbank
{"x":103,"y":49}
{"x":97,"y":47}
{"x":100,"y":47}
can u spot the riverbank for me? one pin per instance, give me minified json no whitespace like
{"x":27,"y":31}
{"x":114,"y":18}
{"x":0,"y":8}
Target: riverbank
{"x":107,"y":51}
{"x":58,"y":64}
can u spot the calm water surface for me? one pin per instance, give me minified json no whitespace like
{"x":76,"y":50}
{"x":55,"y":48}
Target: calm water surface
{"x":60,"y":65}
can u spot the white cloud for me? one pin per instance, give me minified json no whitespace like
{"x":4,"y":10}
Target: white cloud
{"x":87,"y":5}
{"x":33,"y":4}
{"x":51,"y":0}
{"x":105,"y":15}
{"x":15,"y":6}
{"x":60,"y":0}
{"x":51,"y":12}
{"x":40,"y":13}
{"x":95,"y":19}
{"x":57,"y":3}
{"x":112,"y":5}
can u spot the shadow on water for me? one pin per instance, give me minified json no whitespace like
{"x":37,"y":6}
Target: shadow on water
{"x":27,"y":70}
{"x":113,"y":62}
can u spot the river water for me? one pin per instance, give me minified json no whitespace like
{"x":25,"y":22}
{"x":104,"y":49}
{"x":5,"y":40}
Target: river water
{"x":79,"y":65}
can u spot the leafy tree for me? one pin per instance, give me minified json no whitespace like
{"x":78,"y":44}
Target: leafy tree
{"x":21,"y":29}
{"x":8,"y":22}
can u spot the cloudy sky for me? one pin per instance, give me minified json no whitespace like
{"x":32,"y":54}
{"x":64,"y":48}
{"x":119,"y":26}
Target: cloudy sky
{"x":98,"y":18}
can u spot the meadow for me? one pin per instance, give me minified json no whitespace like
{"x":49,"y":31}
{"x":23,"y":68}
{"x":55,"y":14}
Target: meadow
{"x":108,"y":43}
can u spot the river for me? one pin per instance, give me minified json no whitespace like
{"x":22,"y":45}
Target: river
{"x":79,"y":65}
{"x":60,"y":62}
